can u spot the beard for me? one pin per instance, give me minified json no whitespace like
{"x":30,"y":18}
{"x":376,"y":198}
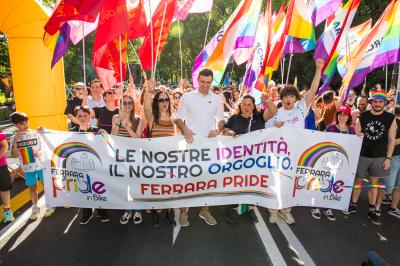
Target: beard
{"x":378,"y":108}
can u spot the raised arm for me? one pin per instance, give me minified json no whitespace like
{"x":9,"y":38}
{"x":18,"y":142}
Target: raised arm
{"x":309,"y":98}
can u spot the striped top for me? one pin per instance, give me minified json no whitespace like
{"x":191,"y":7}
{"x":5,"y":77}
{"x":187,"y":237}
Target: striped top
{"x":122,"y":132}
{"x":164,"y":128}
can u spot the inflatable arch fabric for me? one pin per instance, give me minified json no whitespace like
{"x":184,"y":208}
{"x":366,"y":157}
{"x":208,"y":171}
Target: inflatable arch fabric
{"x":38,"y":90}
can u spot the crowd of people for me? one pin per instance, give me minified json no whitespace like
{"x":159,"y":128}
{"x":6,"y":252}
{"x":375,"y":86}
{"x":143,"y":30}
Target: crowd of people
{"x":160,"y":111}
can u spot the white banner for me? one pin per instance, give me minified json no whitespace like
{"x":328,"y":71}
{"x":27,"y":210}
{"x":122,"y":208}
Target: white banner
{"x":273,"y":168}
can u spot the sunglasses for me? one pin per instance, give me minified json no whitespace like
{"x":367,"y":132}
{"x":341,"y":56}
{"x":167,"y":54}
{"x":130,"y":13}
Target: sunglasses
{"x":163,"y":100}
{"x":177,"y":97}
{"x":79,"y":88}
{"x":110,"y":92}
{"x":127,"y":103}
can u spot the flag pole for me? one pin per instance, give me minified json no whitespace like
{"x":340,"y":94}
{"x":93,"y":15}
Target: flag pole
{"x":159,"y":40}
{"x":397,"y":89}
{"x":282,"y":68}
{"x":180,"y":48}
{"x":288,"y":72}
{"x":208,"y":26}
{"x":83,"y":54}
{"x":120,"y":70}
{"x":386,"y":78}
{"x":152,"y":41}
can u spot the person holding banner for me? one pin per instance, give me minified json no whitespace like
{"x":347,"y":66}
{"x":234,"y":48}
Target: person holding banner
{"x":247,"y":119}
{"x":341,"y":124}
{"x":292,"y":114}
{"x":128,"y":124}
{"x":82,"y":114}
{"x":378,"y":128}
{"x":158,"y":112}
{"x":200,"y":113}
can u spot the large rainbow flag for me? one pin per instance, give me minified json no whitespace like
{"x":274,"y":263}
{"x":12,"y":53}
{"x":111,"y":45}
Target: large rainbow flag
{"x":353,"y":39}
{"x":372,"y":48}
{"x":205,"y":54}
{"x":218,"y":60}
{"x":323,"y":9}
{"x":334,"y":36}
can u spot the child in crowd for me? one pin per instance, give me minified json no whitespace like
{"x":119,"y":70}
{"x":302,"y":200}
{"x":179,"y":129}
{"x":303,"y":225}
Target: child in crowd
{"x":27,"y":146}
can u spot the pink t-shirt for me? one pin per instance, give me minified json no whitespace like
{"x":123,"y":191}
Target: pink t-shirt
{"x":3,"y":159}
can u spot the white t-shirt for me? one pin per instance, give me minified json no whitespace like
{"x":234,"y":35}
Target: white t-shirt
{"x":27,"y":145}
{"x":290,"y":118}
{"x":199,"y":112}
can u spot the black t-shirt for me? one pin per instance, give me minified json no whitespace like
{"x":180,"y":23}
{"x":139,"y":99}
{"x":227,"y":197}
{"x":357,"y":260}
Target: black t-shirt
{"x":240,"y":125}
{"x":71,"y":104}
{"x":104,"y":117}
{"x":396,"y":151}
{"x":376,"y":133}
{"x":91,"y":129}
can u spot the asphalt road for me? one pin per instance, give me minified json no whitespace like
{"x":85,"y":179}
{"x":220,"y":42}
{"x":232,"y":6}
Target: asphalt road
{"x":60,"y":240}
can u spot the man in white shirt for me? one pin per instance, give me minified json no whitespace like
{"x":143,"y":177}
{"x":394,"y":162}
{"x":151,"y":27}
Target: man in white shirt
{"x":200,"y":113}
{"x":96,"y":98}
{"x":292,"y":114}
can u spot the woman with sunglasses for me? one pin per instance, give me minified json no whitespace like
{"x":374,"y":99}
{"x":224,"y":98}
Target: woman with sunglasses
{"x":82,"y":114}
{"x":159,"y":116}
{"x":128,"y":124}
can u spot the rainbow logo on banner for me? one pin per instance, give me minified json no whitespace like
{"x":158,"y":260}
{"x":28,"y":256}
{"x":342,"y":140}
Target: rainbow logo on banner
{"x":27,"y":156}
{"x":310,"y":157}
{"x":62,"y":152}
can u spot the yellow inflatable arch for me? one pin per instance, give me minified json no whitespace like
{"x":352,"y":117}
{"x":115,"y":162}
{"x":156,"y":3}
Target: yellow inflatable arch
{"x":38,"y":90}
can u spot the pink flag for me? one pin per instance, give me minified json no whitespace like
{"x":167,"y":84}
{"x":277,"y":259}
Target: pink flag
{"x":185,"y":7}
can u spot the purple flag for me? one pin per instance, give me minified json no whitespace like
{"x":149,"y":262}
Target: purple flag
{"x":62,"y":44}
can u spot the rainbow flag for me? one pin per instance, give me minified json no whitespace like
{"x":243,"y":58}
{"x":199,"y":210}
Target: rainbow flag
{"x":218,"y":60}
{"x":62,"y":44}
{"x":27,"y":156}
{"x":205,"y":54}
{"x":323,"y":9}
{"x":363,"y":58}
{"x":328,"y":45}
{"x":298,"y":46}
{"x":353,"y":39}
{"x":301,"y":25}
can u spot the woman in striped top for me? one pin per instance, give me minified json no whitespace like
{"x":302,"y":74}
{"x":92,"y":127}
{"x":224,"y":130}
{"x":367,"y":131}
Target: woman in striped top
{"x":127,"y":124}
{"x":158,"y":115}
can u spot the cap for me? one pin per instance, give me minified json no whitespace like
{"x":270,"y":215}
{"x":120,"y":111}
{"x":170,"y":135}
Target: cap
{"x":79,"y":84}
{"x":378,"y":95}
{"x":344,"y":109}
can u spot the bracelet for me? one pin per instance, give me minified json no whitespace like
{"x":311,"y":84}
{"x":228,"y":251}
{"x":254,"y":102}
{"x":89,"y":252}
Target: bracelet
{"x":389,"y":158}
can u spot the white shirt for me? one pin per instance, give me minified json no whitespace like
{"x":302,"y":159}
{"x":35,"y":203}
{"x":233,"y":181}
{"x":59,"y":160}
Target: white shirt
{"x":92,"y":103}
{"x":199,"y":112}
{"x":290,"y":118}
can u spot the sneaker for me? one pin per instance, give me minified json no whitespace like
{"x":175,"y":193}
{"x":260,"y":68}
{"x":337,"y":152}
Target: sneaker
{"x":137,"y":217}
{"x":49,"y":212}
{"x":273,"y":217}
{"x":378,"y":211}
{"x":352,"y":208}
{"x":207,"y":216}
{"x":373,"y":218}
{"x":394,"y":212}
{"x":86,"y":219}
{"x":125,"y":217}
{"x":316,"y":214}
{"x":105,"y":219}
{"x":171,"y":217}
{"x":252,"y":216}
{"x":329,"y":214}
{"x":35,"y":213}
{"x":154,"y":218}
{"x":183,"y":219}
{"x":8,"y":217}
{"x":387,"y":199}
{"x":286,"y":216}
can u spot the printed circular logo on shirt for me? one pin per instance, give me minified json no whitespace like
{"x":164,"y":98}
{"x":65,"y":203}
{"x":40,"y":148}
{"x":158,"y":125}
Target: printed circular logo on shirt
{"x":374,"y":130}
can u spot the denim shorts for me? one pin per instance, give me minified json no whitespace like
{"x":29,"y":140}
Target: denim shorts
{"x":392,"y":179}
{"x":31,"y":178}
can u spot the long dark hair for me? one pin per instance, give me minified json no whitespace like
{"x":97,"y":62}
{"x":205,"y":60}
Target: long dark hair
{"x":154,"y":106}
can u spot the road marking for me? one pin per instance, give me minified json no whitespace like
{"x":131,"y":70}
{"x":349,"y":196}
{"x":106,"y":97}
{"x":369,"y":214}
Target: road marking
{"x":7,"y":232}
{"x":70,"y":223}
{"x":295,"y":245}
{"x":270,"y":246}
